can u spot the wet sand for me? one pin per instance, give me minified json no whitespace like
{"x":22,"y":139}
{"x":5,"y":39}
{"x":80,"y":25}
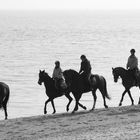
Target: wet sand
{"x":100,"y":124}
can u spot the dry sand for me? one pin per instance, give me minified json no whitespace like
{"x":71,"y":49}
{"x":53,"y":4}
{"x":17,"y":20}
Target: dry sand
{"x":100,"y":124}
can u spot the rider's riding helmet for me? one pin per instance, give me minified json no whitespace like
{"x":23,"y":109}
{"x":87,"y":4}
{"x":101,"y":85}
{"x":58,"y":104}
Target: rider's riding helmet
{"x":132,"y":50}
{"x":57,"y":62}
{"x":83,"y":56}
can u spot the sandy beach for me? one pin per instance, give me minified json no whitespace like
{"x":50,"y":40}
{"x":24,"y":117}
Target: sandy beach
{"x":100,"y":124}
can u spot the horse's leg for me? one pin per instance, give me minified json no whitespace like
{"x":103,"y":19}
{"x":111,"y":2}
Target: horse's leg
{"x":139,"y":97}
{"x":45,"y":112}
{"x":139,"y":101}
{"x":5,"y":111}
{"x":53,"y":106}
{"x":122,"y":97}
{"x":76,"y":106}
{"x":94,"y":97}
{"x":82,"y":106}
{"x":129,"y":93}
{"x":103,"y":95}
{"x":105,"y":105}
{"x":70,"y":100}
{"x":77,"y":98}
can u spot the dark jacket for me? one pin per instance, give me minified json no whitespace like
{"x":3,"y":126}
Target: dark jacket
{"x":85,"y":67}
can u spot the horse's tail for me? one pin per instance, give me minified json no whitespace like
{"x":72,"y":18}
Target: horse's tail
{"x":6,"y":91}
{"x":105,"y":89}
{"x":7,"y":96}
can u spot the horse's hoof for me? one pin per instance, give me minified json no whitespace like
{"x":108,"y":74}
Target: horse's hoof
{"x":139,"y":101}
{"x":106,"y":106}
{"x":120,"y":104}
{"x":45,"y":112}
{"x":72,"y":112}
{"x":76,"y":109}
{"x":67,"y":109}
{"x":92,"y":109}
{"x":84,"y":108}
{"x":54,"y":112}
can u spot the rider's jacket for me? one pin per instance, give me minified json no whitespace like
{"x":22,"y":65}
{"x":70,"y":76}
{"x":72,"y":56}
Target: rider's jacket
{"x":132,"y":62}
{"x":57,"y":73}
{"x":85,"y":66}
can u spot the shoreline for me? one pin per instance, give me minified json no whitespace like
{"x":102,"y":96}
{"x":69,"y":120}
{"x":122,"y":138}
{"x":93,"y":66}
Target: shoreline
{"x":112,"y":123}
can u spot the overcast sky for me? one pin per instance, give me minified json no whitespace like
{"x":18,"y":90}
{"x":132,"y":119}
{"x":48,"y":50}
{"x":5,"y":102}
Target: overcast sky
{"x":69,"y":4}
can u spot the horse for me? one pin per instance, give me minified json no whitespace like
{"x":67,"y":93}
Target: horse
{"x":76,"y":84}
{"x":128,"y":81}
{"x":51,"y":91}
{"x":4,"y":97}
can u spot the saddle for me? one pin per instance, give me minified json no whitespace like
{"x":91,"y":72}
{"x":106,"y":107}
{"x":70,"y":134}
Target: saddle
{"x":135,"y":75}
{"x":61,"y":86}
{"x":89,"y":82}
{"x":93,"y":80}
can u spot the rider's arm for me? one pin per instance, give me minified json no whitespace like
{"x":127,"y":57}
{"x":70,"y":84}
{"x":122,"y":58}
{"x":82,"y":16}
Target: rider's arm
{"x":127,"y":65}
{"x":136,"y":61}
{"x":60,"y":73}
{"x":53,"y":75}
{"x":81,"y":68}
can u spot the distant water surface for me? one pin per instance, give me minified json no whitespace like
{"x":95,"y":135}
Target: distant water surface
{"x":30,"y":41}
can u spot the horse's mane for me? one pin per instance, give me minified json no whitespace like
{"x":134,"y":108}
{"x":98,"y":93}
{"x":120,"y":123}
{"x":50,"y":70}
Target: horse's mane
{"x":121,"y":68}
{"x":46,"y":74}
{"x":71,"y":72}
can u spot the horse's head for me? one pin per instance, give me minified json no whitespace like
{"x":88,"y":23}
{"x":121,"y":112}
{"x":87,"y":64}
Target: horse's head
{"x":43,"y":76}
{"x":119,"y":72}
{"x":115,"y":74}
{"x":70,"y":76}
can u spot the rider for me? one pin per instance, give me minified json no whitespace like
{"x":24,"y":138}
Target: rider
{"x":132,"y":65}
{"x":85,"y":69}
{"x":57,"y":75}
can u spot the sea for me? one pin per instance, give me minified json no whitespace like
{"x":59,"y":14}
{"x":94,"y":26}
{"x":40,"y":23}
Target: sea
{"x":31,"y":41}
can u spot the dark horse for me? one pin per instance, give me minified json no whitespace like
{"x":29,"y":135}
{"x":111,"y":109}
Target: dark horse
{"x":4,"y":97}
{"x":127,"y":81}
{"x":52,"y":92}
{"x":76,"y":85}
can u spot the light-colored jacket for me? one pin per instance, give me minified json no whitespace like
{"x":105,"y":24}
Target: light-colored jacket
{"x":57,"y":73}
{"x":132,"y":62}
